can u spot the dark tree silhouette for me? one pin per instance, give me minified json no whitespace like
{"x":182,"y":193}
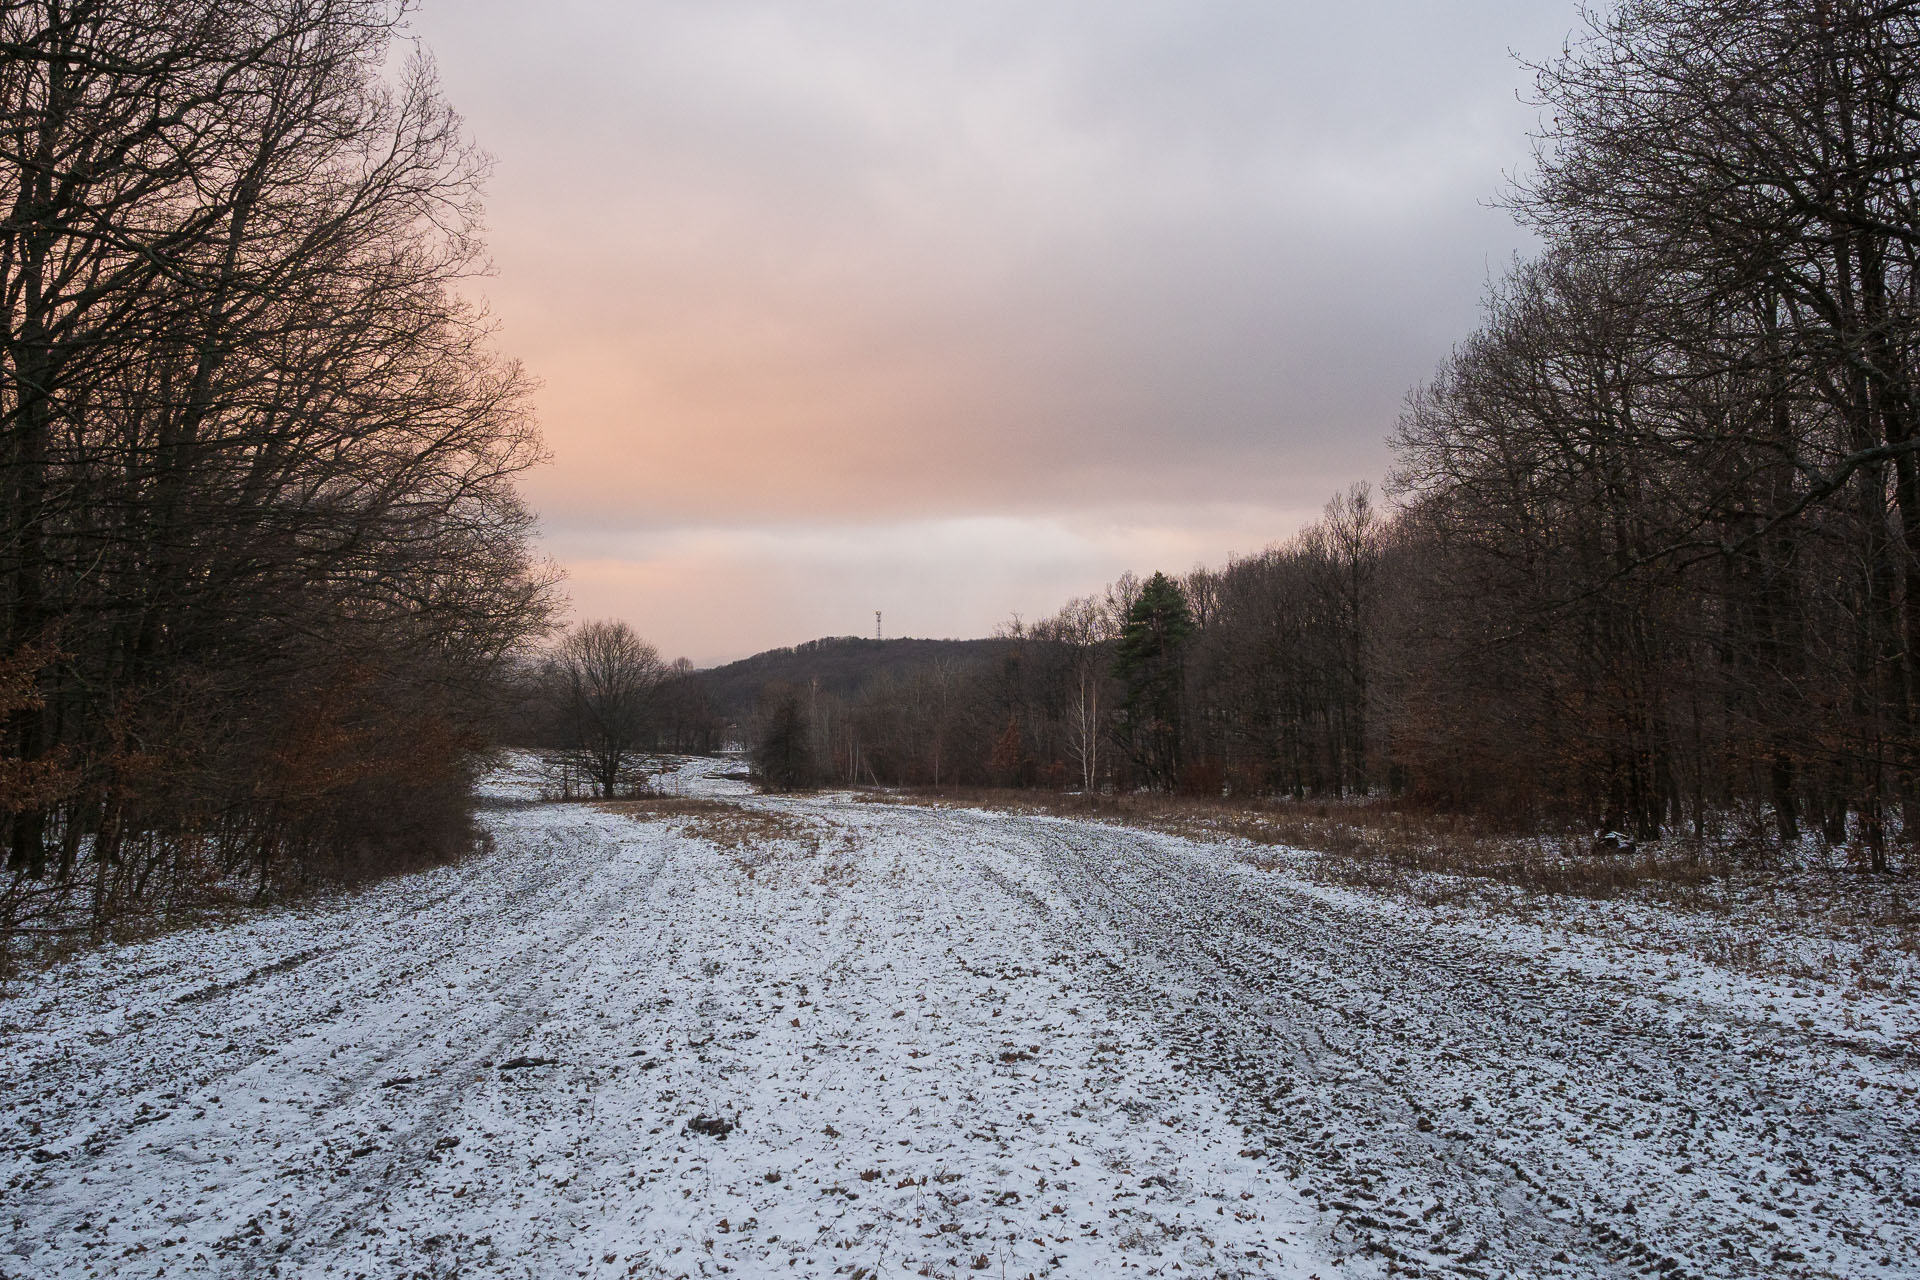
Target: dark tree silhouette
{"x":607,"y":688}
{"x":783,"y":757}
{"x":1149,"y":662}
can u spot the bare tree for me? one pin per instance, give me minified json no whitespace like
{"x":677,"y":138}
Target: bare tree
{"x":1082,"y":629}
{"x":605,"y":683}
{"x":1773,"y":183}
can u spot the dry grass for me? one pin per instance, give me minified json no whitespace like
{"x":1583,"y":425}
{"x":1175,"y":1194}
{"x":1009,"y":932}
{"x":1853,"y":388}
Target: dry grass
{"x":734,"y":827}
{"x":767,"y":845}
{"x":1363,"y":842}
{"x":1372,"y":842}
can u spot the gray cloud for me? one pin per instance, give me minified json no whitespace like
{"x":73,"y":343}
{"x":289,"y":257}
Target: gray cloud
{"x":912,"y":261}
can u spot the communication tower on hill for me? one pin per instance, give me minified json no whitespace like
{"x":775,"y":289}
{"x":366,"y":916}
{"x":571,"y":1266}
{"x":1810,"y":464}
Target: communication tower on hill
{"x":876,"y":624}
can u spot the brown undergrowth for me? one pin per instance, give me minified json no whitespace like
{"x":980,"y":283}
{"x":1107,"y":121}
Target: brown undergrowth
{"x":44,"y":923}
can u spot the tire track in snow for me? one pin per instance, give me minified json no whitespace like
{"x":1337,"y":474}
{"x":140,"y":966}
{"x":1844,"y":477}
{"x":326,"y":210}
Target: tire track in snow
{"x":428,"y":1115}
{"x":350,"y":1007}
{"x":1547,"y":1122}
{"x":1163,"y":1007}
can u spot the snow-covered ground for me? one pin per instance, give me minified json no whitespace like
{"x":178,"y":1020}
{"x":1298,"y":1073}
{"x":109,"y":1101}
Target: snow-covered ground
{"x":728,"y":1034}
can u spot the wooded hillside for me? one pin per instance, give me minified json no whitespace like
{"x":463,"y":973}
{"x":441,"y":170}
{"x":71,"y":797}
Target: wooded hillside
{"x":839,"y":666}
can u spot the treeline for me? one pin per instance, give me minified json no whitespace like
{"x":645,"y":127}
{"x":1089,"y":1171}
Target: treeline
{"x":1250,"y":680}
{"x":1670,"y":488}
{"x":1655,"y":555}
{"x":261,"y":557}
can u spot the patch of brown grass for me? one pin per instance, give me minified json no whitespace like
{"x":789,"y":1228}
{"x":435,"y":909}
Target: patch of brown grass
{"x":734,"y":827}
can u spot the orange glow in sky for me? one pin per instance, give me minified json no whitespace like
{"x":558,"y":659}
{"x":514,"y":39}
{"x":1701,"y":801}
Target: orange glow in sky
{"x":955,"y":311}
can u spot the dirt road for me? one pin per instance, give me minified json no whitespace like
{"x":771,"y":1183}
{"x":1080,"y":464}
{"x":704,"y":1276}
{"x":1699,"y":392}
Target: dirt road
{"x":829,"y":1037}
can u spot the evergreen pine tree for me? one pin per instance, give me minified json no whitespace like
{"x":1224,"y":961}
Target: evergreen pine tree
{"x":1150,"y":663}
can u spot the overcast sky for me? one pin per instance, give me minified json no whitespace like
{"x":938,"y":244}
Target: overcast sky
{"x":956,"y":310}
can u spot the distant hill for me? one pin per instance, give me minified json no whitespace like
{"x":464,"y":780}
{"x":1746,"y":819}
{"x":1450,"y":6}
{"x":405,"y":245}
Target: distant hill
{"x":842,"y":665}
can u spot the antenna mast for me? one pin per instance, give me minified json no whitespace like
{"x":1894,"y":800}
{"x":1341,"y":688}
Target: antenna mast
{"x":876,"y":624}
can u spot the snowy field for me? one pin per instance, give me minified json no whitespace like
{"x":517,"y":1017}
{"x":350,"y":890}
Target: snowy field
{"x":726,"y":1034}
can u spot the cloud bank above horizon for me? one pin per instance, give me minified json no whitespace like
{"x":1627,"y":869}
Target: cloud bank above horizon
{"x":957,"y":311}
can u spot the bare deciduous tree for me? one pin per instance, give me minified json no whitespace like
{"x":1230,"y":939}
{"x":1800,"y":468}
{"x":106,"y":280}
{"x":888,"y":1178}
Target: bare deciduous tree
{"x":606,"y":683}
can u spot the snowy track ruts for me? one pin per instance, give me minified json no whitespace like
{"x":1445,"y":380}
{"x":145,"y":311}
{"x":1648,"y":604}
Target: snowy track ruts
{"x":1468,"y":1110}
{"x":613,"y":1048}
{"x":908,"y":1041}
